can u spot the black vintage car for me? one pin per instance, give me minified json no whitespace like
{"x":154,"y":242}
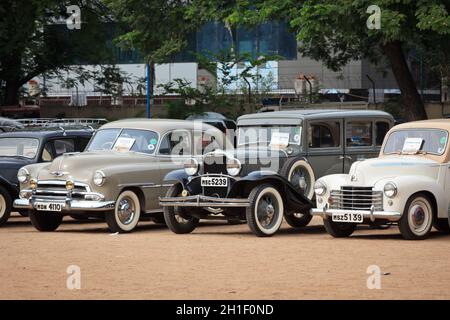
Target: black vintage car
{"x":21,"y":148}
{"x":221,"y":185}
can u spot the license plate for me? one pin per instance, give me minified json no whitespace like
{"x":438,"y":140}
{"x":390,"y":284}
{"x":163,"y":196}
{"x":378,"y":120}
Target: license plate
{"x":347,"y":217}
{"x":49,"y":206}
{"x":214,"y":182}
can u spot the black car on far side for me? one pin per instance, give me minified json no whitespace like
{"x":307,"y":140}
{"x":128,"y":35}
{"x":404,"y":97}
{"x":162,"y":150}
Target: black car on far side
{"x":21,"y":148}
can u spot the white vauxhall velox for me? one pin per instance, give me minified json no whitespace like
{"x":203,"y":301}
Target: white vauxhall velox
{"x":409,"y":183}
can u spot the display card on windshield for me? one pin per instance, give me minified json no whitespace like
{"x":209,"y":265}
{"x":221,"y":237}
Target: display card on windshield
{"x":124,"y":144}
{"x":279,"y":139}
{"x":412,"y":145}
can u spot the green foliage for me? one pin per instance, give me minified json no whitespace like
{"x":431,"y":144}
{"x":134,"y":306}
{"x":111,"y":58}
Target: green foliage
{"x":32,"y":44}
{"x":156,"y":28}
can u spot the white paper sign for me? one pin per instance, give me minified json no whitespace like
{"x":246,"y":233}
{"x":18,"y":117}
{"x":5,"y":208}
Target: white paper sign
{"x":279,"y":139}
{"x":123,"y":144}
{"x":412,"y":145}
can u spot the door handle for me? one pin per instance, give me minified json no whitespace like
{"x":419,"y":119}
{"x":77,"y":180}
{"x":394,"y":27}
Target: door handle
{"x":345,"y":158}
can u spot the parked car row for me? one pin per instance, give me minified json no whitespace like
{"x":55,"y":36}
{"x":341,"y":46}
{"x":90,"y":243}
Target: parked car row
{"x":287,"y":165}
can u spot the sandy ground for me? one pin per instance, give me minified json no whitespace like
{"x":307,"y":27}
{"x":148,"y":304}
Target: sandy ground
{"x":218,"y":261}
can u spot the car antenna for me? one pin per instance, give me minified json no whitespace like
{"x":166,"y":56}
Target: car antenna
{"x":63,"y":130}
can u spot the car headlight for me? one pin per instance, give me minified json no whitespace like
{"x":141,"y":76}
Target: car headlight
{"x":320,"y":188}
{"x":23,"y":175}
{"x":390,"y":190}
{"x":191,"y":167}
{"x":99,"y":178}
{"x":234,"y":166}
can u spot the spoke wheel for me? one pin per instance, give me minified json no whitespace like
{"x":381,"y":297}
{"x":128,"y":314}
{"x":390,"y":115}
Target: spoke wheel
{"x":177,"y":218}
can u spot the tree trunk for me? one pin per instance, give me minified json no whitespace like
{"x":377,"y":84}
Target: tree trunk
{"x":414,"y":107}
{"x":11,"y":93}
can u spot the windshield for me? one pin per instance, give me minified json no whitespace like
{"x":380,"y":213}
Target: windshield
{"x":135,"y":140}
{"x":19,"y":147}
{"x":267,"y":135}
{"x":430,"y":141}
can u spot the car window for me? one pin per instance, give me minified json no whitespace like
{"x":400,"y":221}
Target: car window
{"x":83,"y":143}
{"x":177,"y":142}
{"x":64,"y":146}
{"x":142,"y":141}
{"x":358,"y":134}
{"x":382,"y":129}
{"x":47,"y":152}
{"x":103,"y":140}
{"x":434,"y":141}
{"x":324,"y":135}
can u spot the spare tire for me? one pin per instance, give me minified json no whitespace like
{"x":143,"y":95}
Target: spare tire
{"x":301,"y":175}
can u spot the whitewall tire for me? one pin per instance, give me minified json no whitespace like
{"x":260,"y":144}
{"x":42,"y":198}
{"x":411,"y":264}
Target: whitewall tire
{"x":126,"y":214}
{"x":417,"y":219}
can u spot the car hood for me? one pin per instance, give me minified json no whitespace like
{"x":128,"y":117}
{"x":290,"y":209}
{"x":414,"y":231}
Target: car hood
{"x":82,"y":166}
{"x":14,"y":162}
{"x":368,"y":172}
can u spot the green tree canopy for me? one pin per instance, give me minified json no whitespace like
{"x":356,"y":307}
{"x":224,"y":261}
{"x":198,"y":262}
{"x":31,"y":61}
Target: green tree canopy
{"x":33,"y":40}
{"x":336,"y":31}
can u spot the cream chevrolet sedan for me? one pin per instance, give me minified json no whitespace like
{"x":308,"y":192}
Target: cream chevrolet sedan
{"x":118,"y":177}
{"x":408,"y":184}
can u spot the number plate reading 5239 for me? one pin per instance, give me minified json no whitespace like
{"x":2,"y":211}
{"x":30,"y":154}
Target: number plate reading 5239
{"x":214,"y":182}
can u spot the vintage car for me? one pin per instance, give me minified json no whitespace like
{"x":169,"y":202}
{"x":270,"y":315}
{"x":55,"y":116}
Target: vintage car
{"x":408,"y":184}
{"x":304,"y":145}
{"x":118,"y":177}
{"x":29,"y":146}
{"x":220,"y":184}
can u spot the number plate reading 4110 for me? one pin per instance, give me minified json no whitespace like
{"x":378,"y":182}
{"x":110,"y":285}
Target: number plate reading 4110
{"x":347,"y":217}
{"x":214,"y":182}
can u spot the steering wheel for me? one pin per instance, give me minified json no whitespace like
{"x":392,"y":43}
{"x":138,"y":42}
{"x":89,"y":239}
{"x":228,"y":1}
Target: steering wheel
{"x":107,"y":145}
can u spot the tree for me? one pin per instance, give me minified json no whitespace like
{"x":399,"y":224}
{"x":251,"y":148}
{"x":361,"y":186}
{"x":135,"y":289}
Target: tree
{"x":34,"y":41}
{"x":336,"y":31}
{"x":158,"y":29}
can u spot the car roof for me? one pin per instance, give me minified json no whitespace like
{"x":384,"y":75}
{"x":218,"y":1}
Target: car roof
{"x":425,"y":124}
{"x":43,"y":132}
{"x":157,"y":125}
{"x":298,"y":115}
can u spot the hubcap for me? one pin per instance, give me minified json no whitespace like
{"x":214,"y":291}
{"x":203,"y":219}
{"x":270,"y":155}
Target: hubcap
{"x":2,"y":205}
{"x":300,"y":179}
{"x":267,"y":209}
{"x":420,"y":216}
{"x":126,"y":211}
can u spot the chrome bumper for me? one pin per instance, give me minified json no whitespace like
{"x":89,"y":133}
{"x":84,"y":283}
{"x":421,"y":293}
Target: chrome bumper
{"x":69,"y":205}
{"x":371,"y":214}
{"x":203,"y":201}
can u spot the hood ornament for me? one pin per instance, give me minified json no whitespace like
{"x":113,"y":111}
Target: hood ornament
{"x":58,"y":173}
{"x":353,"y":178}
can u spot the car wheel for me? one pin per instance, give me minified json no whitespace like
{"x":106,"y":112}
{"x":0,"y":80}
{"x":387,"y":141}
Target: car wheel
{"x":339,"y":229}
{"x":301,"y":175}
{"x":177,"y":218}
{"x":442,"y":225}
{"x":298,"y":220}
{"x":126,"y":214}
{"x":417,"y":218}
{"x":5,"y":205}
{"x":23,"y":213}
{"x":45,"y":221}
{"x":265,"y":213}
{"x":158,"y":218}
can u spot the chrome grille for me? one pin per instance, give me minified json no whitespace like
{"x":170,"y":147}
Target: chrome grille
{"x":57,"y":190}
{"x":356,"y":198}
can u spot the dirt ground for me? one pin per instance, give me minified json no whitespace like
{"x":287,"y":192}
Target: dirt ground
{"x":218,"y":261}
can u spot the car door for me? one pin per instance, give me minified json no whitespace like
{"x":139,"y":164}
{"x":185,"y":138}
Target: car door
{"x":359,"y":141}
{"x":174,"y":150}
{"x":325,"y":146}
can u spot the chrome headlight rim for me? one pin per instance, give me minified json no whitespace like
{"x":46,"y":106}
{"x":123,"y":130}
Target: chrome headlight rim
{"x":23,"y":175}
{"x":234,"y":167}
{"x":320,"y":188}
{"x":191,"y":167}
{"x":99,"y":178}
{"x":390,"y":189}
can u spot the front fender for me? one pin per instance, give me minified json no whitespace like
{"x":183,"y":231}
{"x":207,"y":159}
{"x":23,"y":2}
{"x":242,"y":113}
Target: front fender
{"x":179,"y":175}
{"x":294,"y":200}
{"x":409,"y":185}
